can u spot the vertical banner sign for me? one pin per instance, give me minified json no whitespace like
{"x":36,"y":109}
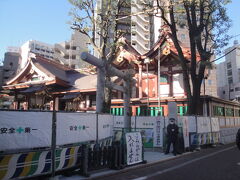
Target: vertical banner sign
{"x":134,"y":148}
{"x":203,"y":125}
{"x":158,"y":132}
{"x":215,"y":124}
{"x":185,"y":128}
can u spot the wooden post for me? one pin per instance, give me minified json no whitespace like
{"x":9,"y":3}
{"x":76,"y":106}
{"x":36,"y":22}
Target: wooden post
{"x":127,"y":113}
{"x":53,"y":146}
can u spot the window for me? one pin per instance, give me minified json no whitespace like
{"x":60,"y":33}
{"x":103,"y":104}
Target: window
{"x":230,"y":80}
{"x":229,"y":72}
{"x":73,"y":56}
{"x":237,"y":88}
{"x":224,"y":92}
{"x":218,"y":111}
{"x":66,"y":56}
{"x":229,"y":66}
{"x":164,"y":79}
{"x":67,"y":47}
{"x":229,"y":112}
{"x":183,"y":36}
{"x":74,"y":47}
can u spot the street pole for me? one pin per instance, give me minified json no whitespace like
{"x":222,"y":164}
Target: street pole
{"x":159,"y":82}
{"x":147,"y":61}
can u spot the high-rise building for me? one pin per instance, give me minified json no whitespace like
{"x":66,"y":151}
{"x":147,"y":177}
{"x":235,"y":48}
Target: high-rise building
{"x":141,"y":28}
{"x":68,"y":52}
{"x":228,"y":74}
{"x":37,"y":47}
{"x":10,"y":64}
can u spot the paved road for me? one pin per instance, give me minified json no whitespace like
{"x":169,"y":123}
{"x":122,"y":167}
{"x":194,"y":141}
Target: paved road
{"x":220,"y":163}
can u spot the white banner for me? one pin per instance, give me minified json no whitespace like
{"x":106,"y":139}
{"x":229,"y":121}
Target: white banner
{"x":185,"y":128}
{"x":228,"y":124}
{"x":237,"y":121}
{"x":203,"y":125}
{"x":105,"y":126}
{"x":134,"y":148}
{"x":215,"y":124}
{"x":158,"y":132}
{"x":20,"y":130}
{"x":145,"y":122}
{"x":192,"y":124}
{"x":222,"y":122}
{"x":75,"y":127}
{"x":231,"y":122}
{"x":118,"y":121}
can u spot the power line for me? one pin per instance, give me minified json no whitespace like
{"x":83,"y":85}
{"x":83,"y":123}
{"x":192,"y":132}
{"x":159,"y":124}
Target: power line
{"x":227,"y":52}
{"x":223,"y":55}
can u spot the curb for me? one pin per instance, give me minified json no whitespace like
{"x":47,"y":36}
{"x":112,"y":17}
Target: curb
{"x":127,"y":169}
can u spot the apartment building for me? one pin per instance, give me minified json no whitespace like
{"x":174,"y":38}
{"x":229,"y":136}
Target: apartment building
{"x":68,"y":52}
{"x":37,"y":47}
{"x":11,"y":63}
{"x":228,"y":74}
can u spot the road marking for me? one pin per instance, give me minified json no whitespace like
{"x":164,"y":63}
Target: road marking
{"x":183,"y":164}
{"x":141,"y":178}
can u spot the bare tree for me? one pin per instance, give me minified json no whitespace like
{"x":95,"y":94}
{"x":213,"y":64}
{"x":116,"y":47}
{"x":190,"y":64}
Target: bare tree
{"x":98,"y":21}
{"x":207,"y":23}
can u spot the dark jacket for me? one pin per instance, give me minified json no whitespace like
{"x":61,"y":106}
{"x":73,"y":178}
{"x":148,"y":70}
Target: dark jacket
{"x":172,"y":131}
{"x":238,"y":139}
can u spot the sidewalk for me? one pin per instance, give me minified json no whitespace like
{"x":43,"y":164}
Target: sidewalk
{"x":152,"y":157}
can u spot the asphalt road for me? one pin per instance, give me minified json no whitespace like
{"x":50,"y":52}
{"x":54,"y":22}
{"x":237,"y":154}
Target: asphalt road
{"x":220,"y":163}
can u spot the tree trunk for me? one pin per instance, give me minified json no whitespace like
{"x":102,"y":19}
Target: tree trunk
{"x":194,"y":106}
{"x":107,"y":98}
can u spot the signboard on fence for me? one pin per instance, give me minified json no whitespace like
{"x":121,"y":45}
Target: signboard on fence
{"x":105,"y":126}
{"x":75,"y":128}
{"x":215,"y":124}
{"x":185,"y":128}
{"x":134,"y":148}
{"x":21,"y":130}
{"x":192,"y":124}
{"x":203,"y":125}
{"x":118,"y":122}
{"x":222,"y":122}
{"x":158,"y":132}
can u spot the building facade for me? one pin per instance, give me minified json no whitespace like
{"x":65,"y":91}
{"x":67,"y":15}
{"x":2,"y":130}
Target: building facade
{"x":37,"y":47}
{"x":68,"y":52}
{"x":11,"y":64}
{"x":228,"y":74}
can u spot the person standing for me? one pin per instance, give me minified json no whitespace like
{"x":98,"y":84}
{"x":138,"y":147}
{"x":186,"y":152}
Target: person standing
{"x":238,"y":139}
{"x":172,"y":136}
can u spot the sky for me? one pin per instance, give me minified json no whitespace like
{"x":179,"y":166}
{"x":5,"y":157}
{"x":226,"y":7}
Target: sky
{"x":47,"y":21}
